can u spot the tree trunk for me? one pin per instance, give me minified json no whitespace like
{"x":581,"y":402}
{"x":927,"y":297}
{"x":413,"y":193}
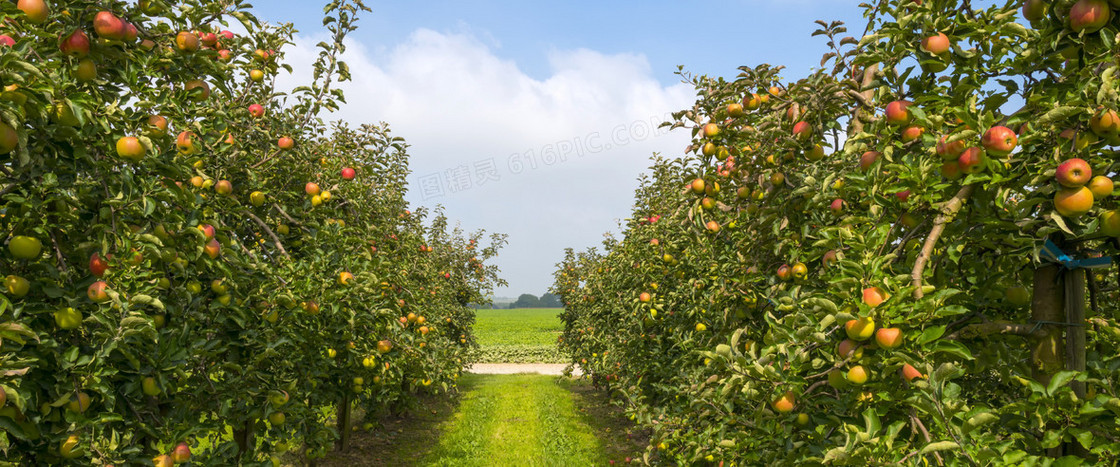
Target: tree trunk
{"x":244,"y":439}
{"x":344,"y":423}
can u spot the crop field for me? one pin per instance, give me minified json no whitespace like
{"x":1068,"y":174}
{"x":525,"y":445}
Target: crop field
{"x":523,"y":335}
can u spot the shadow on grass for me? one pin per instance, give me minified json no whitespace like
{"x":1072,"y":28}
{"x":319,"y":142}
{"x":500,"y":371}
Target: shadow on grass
{"x":619,"y":437}
{"x":400,"y":440}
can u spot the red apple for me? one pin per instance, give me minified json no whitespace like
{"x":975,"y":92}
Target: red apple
{"x":912,"y":133}
{"x":868,"y":159}
{"x":208,"y":231}
{"x":6,"y":40}
{"x":828,"y":258}
{"x":971,"y":161}
{"x":784,"y":272}
{"x":951,"y":170}
{"x":213,"y":248}
{"x":802,"y":130}
{"x":1089,"y":15}
{"x":710,"y":130}
{"x":223,"y":187}
{"x":108,"y":26}
{"x":311,"y":188}
{"x":36,"y":10}
{"x":285,"y":143}
{"x":908,"y":373}
{"x":348,"y":173}
{"x":936,"y":45}
{"x":181,"y":453}
{"x":186,"y":42}
{"x":949,"y":151}
{"x":888,"y":338}
{"x":874,"y":296}
{"x":256,"y":110}
{"x":846,"y":347}
{"x":1073,"y":173}
{"x":897,"y":113}
{"x":97,"y":292}
{"x":98,"y":265}
{"x":903,"y":196}
{"x":999,"y":140}
{"x":837,"y":206}
{"x":75,"y":45}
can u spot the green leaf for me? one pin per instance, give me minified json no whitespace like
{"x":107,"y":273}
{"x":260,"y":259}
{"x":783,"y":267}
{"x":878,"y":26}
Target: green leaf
{"x":931,"y":334}
{"x":939,"y":446}
{"x":1059,"y":380}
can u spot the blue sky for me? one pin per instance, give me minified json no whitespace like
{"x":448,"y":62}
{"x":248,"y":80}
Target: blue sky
{"x":535,"y":119}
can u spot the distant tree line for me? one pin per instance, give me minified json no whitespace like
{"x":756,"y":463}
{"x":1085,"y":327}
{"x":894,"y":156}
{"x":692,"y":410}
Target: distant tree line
{"x":530,"y":301}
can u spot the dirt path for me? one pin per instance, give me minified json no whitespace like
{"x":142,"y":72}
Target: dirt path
{"x":555,"y":369}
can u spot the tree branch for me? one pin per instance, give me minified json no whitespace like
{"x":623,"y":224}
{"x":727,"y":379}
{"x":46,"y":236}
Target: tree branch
{"x":997,"y":327}
{"x":948,"y":211}
{"x":279,"y":246}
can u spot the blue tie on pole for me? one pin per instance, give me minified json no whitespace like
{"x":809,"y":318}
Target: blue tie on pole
{"x":1051,"y":252}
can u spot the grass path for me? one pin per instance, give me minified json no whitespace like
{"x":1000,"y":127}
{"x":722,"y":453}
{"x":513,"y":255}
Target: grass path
{"x":523,"y":420}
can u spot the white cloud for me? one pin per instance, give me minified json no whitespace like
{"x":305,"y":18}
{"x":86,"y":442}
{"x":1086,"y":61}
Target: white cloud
{"x":458,"y":103}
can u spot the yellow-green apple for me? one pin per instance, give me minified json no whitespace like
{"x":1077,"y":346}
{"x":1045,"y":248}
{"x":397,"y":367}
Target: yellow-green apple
{"x":24,"y":247}
{"x":98,"y":292}
{"x":36,"y":10}
{"x":223,"y":187}
{"x":85,"y":71}
{"x":710,"y":130}
{"x":186,"y":41}
{"x":344,"y":278}
{"x":278,"y":398}
{"x":1073,"y":202}
{"x":78,"y":402}
{"x":1109,"y":222}
{"x":874,"y":296}
{"x":860,"y":329}
{"x":1018,"y":295}
{"x":785,"y":403}
{"x":67,"y":318}
{"x":1034,"y":10}
{"x":1089,"y":15}
{"x":18,"y":286}
{"x":1105,"y":123}
{"x":735,"y":109}
{"x":799,"y":271}
{"x":149,"y":386}
{"x":1101,"y":186}
{"x":936,"y":44}
{"x":256,"y":75}
{"x":857,"y":375}
{"x":837,"y":379}
{"x":898,"y":113}
{"x":9,"y":139}
{"x":888,"y":338}
{"x":971,"y":161}
{"x":999,"y":140}
{"x":129,"y":147}
{"x":257,"y":198}
{"x":69,"y":448}
{"x":868,"y":159}
{"x":162,"y":460}
{"x":815,"y":153}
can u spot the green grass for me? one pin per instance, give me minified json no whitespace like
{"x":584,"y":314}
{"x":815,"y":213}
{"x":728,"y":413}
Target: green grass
{"x":516,"y":420}
{"x":522,"y":335}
